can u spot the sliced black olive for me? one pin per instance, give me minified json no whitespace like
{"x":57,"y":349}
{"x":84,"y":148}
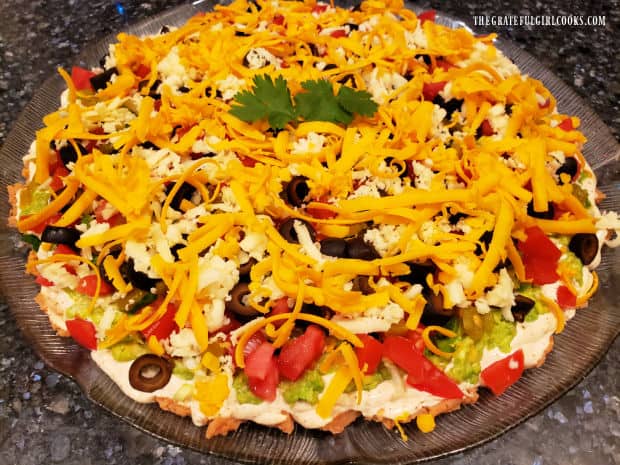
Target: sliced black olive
{"x":546,"y":215}
{"x":521,"y":307}
{"x":287,"y":230}
{"x":313,"y":309}
{"x":149,"y":373}
{"x":236,"y":303}
{"x":450,"y":106}
{"x":434,"y":313}
{"x":184,"y":89}
{"x":358,"y":248}
{"x":357,"y":7}
{"x":68,"y":153}
{"x":361,"y":284}
{"x":346,"y":78}
{"x":334,"y":247}
{"x":454,"y":218}
{"x":352,"y":26}
{"x":145,"y":82}
{"x":60,"y":235}
{"x":329,"y":66}
{"x":255,"y":3}
{"x":585,"y":246}
{"x":174,"y":250}
{"x":164,"y":30}
{"x":239,"y":33}
{"x":297,"y":191}
{"x":418,"y":273}
{"x":137,"y":278}
{"x":508,"y":108}
{"x":247,"y":266}
{"x":100,"y":81}
{"x":425,"y":58}
{"x":185,"y":192}
{"x":149,"y":145}
{"x":485,"y":238}
{"x":314,"y":50}
{"x":570,"y":167}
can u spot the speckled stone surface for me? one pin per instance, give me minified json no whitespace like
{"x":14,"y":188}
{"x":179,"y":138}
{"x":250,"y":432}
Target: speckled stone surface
{"x":44,"y":418}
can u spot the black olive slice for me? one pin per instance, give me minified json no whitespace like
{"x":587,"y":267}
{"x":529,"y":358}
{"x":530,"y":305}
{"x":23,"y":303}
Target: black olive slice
{"x":418,"y":273}
{"x":297,"y":191}
{"x":137,"y":278}
{"x":68,"y":153}
{"x":236,"y":304}
{"x":361,"y":284}
{"x":450,"y":106}
{"x":247,"y":266}
{"x":149,"y":373}
{"x":60,"y":235}
{"x":358,"y":248}
{"x":521,"y":307}
{"x":312,"y":309}
{"x":185,"y":192}
{"x":485,"y":238}
{"x":585,"y":246}
{"x":100,"y":81}
{"x":425,"y":58}
{"x":454,"y":218}
{"x":434,"y":313}
{"x":352,"y":26}
{"x":334,"y":247}
{"x":546,"y":215}
{"x":239,"y":33}
{"x":287,"y":230}
{"x":570,"y":167}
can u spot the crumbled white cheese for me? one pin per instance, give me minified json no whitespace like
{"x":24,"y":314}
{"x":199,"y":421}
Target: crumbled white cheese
{"x":307,"y":244}
{"x":217,"y":276}
{"x":416,"y":39}
{"x":498,"y":119}
{"x":312,"y":143}
{"x":255,"y":244}
{"x":381,"y":83}
{"x":501,"y":296}
{"x":384,"y":237}
{"x":260,"y":57}
{"x":182,"y":343}
{"x":423,"y":175}
{"x":375,"y":319}
{"x":492,"y":57}
{"x":171,"y":70}
{"x":230,"y":86}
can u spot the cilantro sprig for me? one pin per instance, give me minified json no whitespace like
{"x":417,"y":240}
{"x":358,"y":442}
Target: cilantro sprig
{"x":272,"y":100}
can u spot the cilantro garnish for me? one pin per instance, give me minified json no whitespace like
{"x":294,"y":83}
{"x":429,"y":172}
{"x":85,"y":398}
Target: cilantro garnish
{"x":272,"y":100}
{"x":32,"y":240}
{"x":268,"y":99}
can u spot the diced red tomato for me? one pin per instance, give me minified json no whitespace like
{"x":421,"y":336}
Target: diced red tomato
{"x":266,"y":388}
{"x":298,"y":354}
{"x":319,"y":8}
{"x":255,"y":340}
{"x":81,"y":78}
{"x":163,"y":327}
{"x":566,"y":125}
{"x":279,"y":307}
{"x":545,"y":104}
{"x":540,"y":257}
{"x":431,"y":89}
{"x":57,"y":178}
{"x":247,"y":161}
{"x":503,"y":373}
{"x":338,"y":33}
{"x":143,"y":71}
{"x":231,"y":326}
{"x":64,"y":250}
{"x":428,"y":15}
{"x":421,"y":373}
{"x":41,"y":226}
{"x":370,"y":354}
{"x":258,"y":361}
{"x":445,"y":65}
{"x":88,"y":284}
{"x":114,"y":220}
{"x":486,"y":129}
{"x":566,"y":299}
{"x":416,"y":338}
{"x":83,"y":332}
{"x":43,"y":282}
{"x":278,"y":19}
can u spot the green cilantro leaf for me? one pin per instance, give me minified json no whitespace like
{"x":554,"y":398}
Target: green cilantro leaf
{"x":32,"y":240}
{"x":320,"y":104}
{"x":267,"y":99}
{"x":357,"y":101}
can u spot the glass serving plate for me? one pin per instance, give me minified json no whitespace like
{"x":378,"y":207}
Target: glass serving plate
{"x":577,"y":350}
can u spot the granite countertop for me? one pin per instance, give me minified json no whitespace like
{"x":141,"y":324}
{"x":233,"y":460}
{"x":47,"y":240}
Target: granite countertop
{"x":44,"y":418}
